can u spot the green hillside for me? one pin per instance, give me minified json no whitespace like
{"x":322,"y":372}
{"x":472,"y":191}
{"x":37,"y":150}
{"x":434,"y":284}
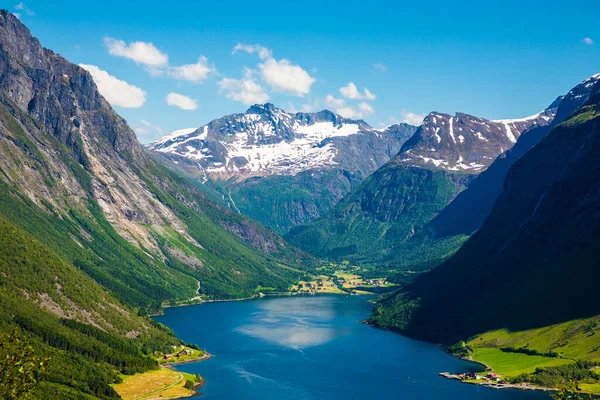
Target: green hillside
{"x":527,"y":261}
{"x":86,"y":335}
{"x":375,"y":220}
{"x":284,"y":201}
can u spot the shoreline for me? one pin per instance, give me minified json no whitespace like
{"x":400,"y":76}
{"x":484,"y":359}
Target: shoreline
{"x":447,"y":375}
{"x":206,"y":356}
{"x":495,"y":385}
{"x":254,"y":297}
{"x":198,"y":385}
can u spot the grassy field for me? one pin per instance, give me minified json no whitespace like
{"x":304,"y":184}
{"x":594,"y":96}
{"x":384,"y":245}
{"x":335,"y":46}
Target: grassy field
{"x":575,"y":339}
{"x":162,"y":383}
{"x":513,"y":364}
{"x":572,"y":341}
{"x":347,"y":276}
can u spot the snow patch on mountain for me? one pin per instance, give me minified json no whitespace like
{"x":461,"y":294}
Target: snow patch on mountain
{"x":437,"y":144}
{"x":266,"y":140}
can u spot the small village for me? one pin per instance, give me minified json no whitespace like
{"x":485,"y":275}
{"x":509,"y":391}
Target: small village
{"x":334,"y":280}
{"x":180,"y":354}
{"x":488,"y":379}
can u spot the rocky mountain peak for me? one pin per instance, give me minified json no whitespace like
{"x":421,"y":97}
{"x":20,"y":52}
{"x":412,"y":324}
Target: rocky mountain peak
{"x":575,"y":98}
{"x":57,"y":93}
{"x":262,"y":108}
{"x":464,"y":142}
{"x":266,"y":140}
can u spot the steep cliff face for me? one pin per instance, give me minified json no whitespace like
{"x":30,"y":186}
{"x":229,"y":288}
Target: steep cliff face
{"x":69,"y":160}
{"x":58,"y":101}
{"x":535,"y":259}
{"x":279,"y":168}
{"x":94,"y":234}
{"x":375,"y":223}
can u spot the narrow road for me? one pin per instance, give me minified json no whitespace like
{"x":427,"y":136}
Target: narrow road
{"x":157,"y":391}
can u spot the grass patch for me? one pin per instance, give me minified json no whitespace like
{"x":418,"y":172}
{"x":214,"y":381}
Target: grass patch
{"x":164,"y":383}
{"x":593,"y":388}
{"x":577,"y":339}
{"x":513,"y":364}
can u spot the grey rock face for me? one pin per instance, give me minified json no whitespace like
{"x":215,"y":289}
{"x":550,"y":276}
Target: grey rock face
{"x":465,"y":143}
{"x":57,"y":93}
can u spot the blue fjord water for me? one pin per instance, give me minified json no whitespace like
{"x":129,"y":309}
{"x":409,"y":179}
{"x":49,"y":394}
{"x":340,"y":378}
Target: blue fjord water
{"x":314,"y":347}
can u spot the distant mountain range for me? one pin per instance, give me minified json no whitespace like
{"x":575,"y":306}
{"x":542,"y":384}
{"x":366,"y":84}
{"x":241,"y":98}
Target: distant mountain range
{"x":373,"y":223}
{"x":282,"y":169}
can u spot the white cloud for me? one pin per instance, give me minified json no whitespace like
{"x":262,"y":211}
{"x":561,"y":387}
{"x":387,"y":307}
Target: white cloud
{"x":380,"y":67}
{"x":140,"y":52}
{"x":114,"y":90}
{"x":147,"y":130}
{"x":410,"y":117}
{"x":263,"y":52}
{"x":157,"y":62}
{"x":285,"y":77}
{"x":281,"y":75}
{"x":24,"y":9}
{"x":588,"y":40}
{"x":181,"y":101}
{"x":339,"y":106}
{"x":244,"y":90}
{"x":350,"y":91}
{"x":192,"y":72}
{"x":366,"y":108}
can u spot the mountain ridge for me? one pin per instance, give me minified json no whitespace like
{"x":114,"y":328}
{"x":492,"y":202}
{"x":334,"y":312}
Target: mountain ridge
{"x":432,"y":168}
{"x":279,"y":168}
{"x":284,"y":143}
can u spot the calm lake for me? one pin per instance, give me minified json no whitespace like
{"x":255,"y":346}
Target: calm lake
{"x":314,"y":347}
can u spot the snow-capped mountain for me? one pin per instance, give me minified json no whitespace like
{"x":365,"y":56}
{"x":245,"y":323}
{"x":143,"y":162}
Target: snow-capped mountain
{"x":281,"y":169}
{"x":464,"y":142}
{"x":266,"y":140}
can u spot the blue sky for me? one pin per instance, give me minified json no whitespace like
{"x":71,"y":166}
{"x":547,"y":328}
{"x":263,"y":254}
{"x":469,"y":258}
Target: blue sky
{"x":504,"y":60}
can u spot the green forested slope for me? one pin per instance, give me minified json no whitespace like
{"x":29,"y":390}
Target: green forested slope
{"x":70,"y":320}
{"x":284,"y":201}
{"x":381,"y":214}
